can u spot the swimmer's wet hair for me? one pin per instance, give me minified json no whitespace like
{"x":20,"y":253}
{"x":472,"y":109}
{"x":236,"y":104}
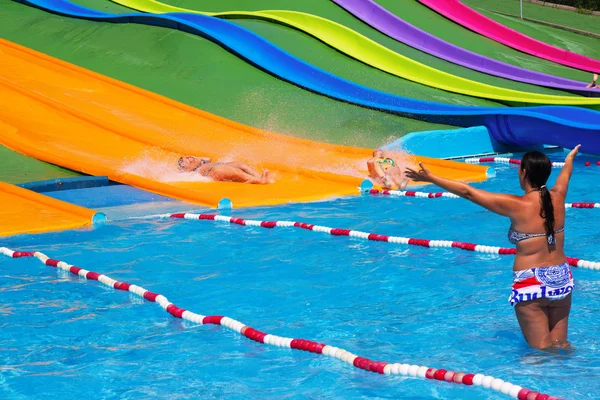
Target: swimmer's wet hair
{"x":537,"y":169}
{"x":180,"y":163}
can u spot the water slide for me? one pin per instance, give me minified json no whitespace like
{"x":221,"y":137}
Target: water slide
{"x":371,"y":53}
{"x":72,"y":117}
{"x":386,"y":22}
{"x":24,"y":211}
{"x":471,"y":19}
{"x":559,"y":126}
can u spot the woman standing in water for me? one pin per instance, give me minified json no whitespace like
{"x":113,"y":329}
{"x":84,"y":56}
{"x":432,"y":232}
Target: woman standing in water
{"x":542,"y":279}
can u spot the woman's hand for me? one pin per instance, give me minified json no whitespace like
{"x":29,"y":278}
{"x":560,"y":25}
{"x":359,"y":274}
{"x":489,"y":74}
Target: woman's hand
{"x":573,"y":153}
{"x":423,"y":175}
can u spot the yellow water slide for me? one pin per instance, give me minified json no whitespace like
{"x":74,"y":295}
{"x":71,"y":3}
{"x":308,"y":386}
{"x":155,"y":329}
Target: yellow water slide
{"x":372,"y":53}
{"x":78,"y":119}
{"x":24,"y":211}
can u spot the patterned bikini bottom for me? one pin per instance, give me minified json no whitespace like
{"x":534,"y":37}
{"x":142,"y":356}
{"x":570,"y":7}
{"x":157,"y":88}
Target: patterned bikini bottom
{"x":553,"y":283}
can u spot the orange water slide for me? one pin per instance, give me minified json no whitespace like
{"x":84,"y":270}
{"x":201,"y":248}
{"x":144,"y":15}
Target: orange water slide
{"x":24,"y":211}
{"x":69,"y":116}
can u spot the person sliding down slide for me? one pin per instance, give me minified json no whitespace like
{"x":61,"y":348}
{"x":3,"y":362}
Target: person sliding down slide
{"x":384,"y":171}
{"x":542,"y":279}
{"x":593,"y":84}
{"x":233,"y":171}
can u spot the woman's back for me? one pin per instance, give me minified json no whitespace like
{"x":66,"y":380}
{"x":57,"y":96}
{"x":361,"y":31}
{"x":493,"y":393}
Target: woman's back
{"x":535,"y":251}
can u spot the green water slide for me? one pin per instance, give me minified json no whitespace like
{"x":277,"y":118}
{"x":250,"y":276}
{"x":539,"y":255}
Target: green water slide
{"x":371,"y":53}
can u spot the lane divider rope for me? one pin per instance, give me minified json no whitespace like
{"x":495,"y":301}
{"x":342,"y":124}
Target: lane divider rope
{"x":575,"y":262}
{"x":406,"y":193}
{"x":427,"y":195}
{"x":504,"y":160}
{"x":485,"y":381}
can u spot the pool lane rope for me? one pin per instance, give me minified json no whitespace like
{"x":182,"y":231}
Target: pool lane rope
{"x":485,"y":381}
{"x":428,"y":195}
{"x":504,"y":160}
{"x":575,"y":262}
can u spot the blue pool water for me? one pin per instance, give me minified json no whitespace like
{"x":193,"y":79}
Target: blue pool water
{"x":63,"y":337}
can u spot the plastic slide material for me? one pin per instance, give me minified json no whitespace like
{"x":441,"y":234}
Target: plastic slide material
{"x":372,"y":53}
{"x":386,"y":22}
{"x":73,"y":117}
{"x":456,"y":143}
{"x":24,"y":211}
{"x":558,"y":126}
{"x":471,"y":19}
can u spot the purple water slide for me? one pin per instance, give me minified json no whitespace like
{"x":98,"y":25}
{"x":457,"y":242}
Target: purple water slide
{"x":384,"y":21}
{"x":465,"y":16}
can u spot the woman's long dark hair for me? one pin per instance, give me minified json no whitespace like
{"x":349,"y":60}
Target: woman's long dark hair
{"x":537,"y":168}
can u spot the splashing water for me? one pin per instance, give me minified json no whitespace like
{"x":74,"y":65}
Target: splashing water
{"x":160,"y":166}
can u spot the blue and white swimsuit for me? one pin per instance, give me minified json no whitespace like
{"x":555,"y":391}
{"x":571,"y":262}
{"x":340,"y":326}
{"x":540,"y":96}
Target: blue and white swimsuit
{"x":554,"y":282}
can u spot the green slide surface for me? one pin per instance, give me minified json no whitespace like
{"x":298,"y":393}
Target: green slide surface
{"x":371,"y":53}
{"x":17,"y":168}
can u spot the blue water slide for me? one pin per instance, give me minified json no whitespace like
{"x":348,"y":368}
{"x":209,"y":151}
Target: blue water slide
{"x":516,"y":127}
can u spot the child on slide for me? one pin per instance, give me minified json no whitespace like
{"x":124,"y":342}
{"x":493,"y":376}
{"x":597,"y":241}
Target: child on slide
{"x":384,"y":171}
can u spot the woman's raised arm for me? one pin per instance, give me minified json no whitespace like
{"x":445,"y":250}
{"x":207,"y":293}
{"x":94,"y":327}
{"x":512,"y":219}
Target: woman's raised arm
{"x":562,"y":182}
{"x":502,"y":204}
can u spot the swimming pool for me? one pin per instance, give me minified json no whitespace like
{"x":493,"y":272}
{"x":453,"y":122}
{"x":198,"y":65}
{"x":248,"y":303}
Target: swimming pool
{"x":63,"y":337}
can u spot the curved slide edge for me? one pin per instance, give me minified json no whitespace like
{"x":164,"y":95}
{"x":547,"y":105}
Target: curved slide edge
{"x":135,"y":137}
{"x":375,"y":55}
{"x":559,"y":126}
{"x":451,"y":143}
{"x":24,"y":211}
{"x":395,"y":27}
{"x":471,"y":19}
